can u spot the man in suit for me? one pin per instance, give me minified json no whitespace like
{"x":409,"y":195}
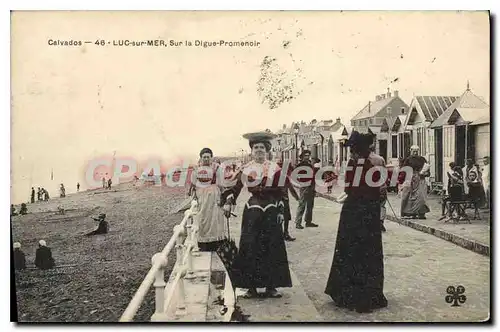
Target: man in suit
{"x":306,"y":193}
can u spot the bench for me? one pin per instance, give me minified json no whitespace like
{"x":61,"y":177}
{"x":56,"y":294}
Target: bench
{"x":456,"y":208}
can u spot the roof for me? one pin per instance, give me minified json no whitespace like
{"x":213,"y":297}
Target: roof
{"x":323,"y":123}
{"x":337,"y":134}
{"x":467,"y":100}
{"x":372,"y":108}
{"x":434,"y":106}
{"x":369,"y":129}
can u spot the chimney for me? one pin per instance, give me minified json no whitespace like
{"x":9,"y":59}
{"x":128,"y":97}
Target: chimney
{"x":388,"y":95}
{"x":337,"y":120}
{"x":377,"y":97}
{"x":284,"y":126}
{"x":396,"y":93}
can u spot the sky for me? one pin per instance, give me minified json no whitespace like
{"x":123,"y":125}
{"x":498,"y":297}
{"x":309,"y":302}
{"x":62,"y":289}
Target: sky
{"x":72,"y":104}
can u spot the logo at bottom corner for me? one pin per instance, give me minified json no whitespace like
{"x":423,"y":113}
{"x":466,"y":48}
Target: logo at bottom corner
{"x":455,"y":295}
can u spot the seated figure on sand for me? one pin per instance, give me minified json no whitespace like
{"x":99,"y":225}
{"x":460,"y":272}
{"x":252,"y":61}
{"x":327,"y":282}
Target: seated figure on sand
{"x":24,"y":209}
{"x":43,"y":259}
{"x":103,"y":227}
{"x":13,"y":210}
{"x":19,"y":257}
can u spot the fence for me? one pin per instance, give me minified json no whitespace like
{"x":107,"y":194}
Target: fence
{"x":167,"y":300}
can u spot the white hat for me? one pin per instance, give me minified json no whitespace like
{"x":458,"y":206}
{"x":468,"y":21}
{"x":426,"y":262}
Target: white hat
{"x":414,"y":147}
{"x":43,"y":243}
{"x":17,"y":245}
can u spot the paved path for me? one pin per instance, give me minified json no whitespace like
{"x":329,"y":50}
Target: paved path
{"x":418,"y":269}
{"x":478,"y":230}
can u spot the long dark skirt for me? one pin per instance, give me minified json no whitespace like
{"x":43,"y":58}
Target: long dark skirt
{"x":356,"y":278}
{"x":210,"y":246}
{"x":288,"y":214}
{"x":262,"y":260}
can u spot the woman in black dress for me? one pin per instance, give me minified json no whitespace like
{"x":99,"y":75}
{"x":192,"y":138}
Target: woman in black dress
{"x":262,"y":259}
{"x":356,"y":278}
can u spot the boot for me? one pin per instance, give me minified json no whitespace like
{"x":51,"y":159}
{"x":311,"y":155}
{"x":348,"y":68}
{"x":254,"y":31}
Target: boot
{"x":272,"y":292}
{"x":250,"y":294}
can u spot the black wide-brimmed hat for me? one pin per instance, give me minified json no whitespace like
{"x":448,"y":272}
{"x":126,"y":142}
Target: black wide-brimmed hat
{"x":359,"y":140}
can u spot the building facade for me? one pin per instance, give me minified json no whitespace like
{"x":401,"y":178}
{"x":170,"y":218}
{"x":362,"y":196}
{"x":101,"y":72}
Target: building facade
{"x":461,"y":132}
{"x":377,"y":118}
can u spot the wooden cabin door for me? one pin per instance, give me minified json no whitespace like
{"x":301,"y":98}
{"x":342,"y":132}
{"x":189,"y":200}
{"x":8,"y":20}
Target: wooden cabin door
{"x":448,"y":151}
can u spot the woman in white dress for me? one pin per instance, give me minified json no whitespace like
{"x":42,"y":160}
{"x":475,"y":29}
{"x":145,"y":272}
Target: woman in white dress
{"x":210,"y":218}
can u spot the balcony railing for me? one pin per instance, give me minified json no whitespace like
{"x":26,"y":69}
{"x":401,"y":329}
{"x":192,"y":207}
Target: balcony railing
{"x":171,"y":300}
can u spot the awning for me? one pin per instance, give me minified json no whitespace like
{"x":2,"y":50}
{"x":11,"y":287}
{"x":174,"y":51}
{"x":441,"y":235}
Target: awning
{"x":468,"y":115}
{"x":474,"y":114}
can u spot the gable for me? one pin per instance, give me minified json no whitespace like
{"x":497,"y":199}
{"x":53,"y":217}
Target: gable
{"x":385,"y":126}
{"x":395,"y":106}
{"x":454,"y":117}
{"x":396,"y":125}
{"x":412,"y":116}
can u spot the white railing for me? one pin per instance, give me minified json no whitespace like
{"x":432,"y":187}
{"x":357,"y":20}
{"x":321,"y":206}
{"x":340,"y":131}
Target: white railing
{"x":185,"y":240}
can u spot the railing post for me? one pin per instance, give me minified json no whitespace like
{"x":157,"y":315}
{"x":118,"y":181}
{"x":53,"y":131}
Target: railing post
{"x":179,"y":243}
{"x":190,"y":273}
{"x":196,"y":249}
{"x":229,"y":298}
{"x":189,"y":253}
{"x":181,"y":294}
{"x":195,"y":228}
{"x":159,"y":284}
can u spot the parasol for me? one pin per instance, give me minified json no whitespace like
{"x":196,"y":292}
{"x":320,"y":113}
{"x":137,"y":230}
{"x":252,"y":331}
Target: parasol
{"x":227,"y":252}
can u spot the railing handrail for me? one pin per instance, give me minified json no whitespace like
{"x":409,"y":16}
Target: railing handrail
{"x":180,"y":274}
{"x":161,"y":259}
